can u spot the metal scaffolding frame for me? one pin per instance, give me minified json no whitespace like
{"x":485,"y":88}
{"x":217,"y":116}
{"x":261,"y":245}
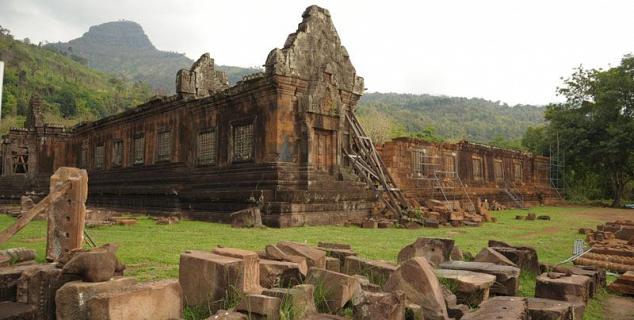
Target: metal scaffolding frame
{"x":446,"y":183}
{"x":557,"y":164}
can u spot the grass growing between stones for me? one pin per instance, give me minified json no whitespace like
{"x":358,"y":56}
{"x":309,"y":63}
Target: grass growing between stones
{"x":152,"y":251}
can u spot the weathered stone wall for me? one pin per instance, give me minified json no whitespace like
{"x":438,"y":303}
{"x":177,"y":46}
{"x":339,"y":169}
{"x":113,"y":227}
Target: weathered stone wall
{"x":413,"y":162}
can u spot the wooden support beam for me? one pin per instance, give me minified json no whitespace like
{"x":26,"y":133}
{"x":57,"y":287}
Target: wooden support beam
{"x":9,"y":232}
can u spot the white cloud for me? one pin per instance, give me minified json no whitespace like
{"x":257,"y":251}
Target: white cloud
{"x":514,"y":51}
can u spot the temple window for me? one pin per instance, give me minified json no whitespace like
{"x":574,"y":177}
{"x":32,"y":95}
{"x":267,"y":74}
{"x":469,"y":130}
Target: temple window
{"x":117,"y":153}
{"x":478,"y":168}
{"x":207,"y":147}
{"x":497,"y":170}
{"x":418,"y":162}
{"x":518,"y":173}
{"x":243,"y":142}
{"x":99,"y":156}
{"x":83,"y":155}
{"x":139,"y":149}
{"x":164,"y":146}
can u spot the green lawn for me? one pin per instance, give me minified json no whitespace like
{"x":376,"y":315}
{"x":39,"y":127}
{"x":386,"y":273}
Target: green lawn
{"x":152,"y":251}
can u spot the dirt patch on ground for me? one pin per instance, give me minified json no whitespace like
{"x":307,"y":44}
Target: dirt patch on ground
{"x":619,"y":308}
{"x":547,"y":230}
{"x":607,"y":214}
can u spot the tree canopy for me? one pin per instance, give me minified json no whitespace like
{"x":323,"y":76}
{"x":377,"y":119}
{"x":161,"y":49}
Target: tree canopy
{"x":596,"y":125}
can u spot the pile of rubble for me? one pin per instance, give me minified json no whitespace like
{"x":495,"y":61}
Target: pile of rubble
{"x":438,"y":213}
{"x":612,"y":246}
{"x":430,"y":281}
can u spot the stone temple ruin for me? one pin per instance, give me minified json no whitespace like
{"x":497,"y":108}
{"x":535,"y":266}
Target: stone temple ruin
{"x":283,"y":141}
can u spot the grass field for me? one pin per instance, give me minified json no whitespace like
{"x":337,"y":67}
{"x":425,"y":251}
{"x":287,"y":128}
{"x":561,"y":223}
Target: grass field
{"x":152,"y":251}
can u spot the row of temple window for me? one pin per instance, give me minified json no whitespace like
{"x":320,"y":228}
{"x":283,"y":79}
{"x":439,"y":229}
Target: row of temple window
{"x":424,"y":165}
{"x":206,"y":148}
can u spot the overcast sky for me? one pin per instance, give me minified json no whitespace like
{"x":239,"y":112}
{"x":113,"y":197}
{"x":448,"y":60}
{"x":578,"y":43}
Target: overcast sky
{"x":513,"y":51}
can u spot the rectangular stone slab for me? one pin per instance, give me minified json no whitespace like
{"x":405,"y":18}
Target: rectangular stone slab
{"x":507,"y":277}
{"x":548,"y":309}
{"x":507,"y":308}
{"x":151,"y":300}
{"x":71,"y":298}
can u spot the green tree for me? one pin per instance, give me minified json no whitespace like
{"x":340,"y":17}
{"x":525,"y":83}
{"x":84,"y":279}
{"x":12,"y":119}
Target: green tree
{"x":597,"y":123}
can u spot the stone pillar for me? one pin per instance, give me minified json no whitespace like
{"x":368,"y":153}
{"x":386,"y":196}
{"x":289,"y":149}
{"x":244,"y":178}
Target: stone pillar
{"x":66,"y":215}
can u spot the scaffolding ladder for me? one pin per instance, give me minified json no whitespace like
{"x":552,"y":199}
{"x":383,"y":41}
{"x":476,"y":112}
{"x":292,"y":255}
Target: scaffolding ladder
{"x":370,"y":168}
{"x":514,"y":194}
{"x":447,"y":183}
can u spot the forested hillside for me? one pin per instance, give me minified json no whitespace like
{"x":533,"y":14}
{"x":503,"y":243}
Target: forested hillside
{"x":445,"y":117}
{"x":70,"y":90}
{"x":123,"y":48}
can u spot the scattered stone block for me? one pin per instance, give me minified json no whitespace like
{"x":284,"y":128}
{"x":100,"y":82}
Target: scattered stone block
{"x":507,"y":277}
{"x":416,"y":278}
{"x":434,"y":250}
{"x":370,"y":224}
{"x":507,"y":308}
{"x":37,"y":287}
{"x":471,"y":223}
{"x":340,"y":254}
{"x":150,"y":300}
{"x":523,"y":257}
{"x":492,"y":256}
{"x":519,"y":217}
{"x":300,"y":298}
{"x":207,"y":278}
{"x":431,"y":223}
{"x":412,"y":225}
{"x":543,"y":217}
{"x":380,"y":306}
{"x":470,"y":288}
{"x":126,"y":222}
{"x":17,"y":255}
{"x":314,"y":257}
{"x":9,"y":278}
{"x":333,"y":264}
{"x":585,"y":231}
{"x":385,"y":224}
{"x":4,"y":261}
{"x":548,"y":309}
{"x":366,"y":285}
{"x":376,"y":271}
{"x":11,"y":310}
{"x":250,"y":262}
{"x":597,"y":275}
{"x":559,"y":286}
{"x":97,"y":265}
{"x":531,"y":216}
{"x":70,"y":299}
{"x":259,"y":306}
{"x":338,"y":288}
{"x":247,"y":218}
{"x":274,"y":253}
{"x":624,"y":284}
{"x":283,"y":274}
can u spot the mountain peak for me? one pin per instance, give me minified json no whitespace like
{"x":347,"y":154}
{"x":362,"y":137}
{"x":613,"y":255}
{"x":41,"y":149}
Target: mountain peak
{"x":122,"y":33}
